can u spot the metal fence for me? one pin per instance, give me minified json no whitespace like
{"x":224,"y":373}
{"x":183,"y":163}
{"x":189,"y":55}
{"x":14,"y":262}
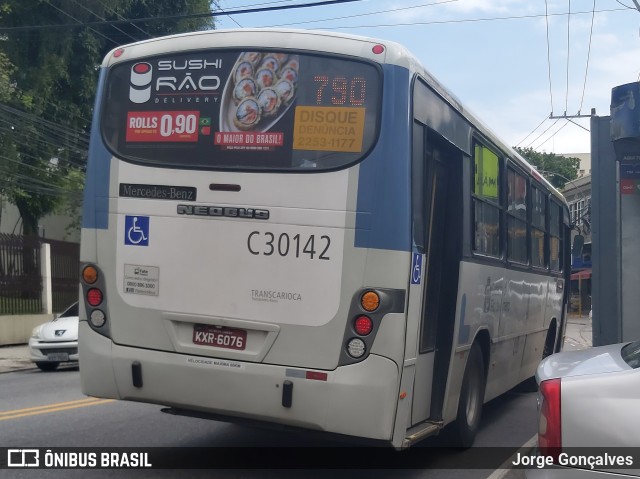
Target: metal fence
{"x":20,"y":277}
{"x":65,"y":273}
{"x":20,"y":274}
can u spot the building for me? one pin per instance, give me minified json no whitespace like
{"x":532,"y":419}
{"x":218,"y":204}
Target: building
{"x":54,"y":226}
{"x":578,"y":194}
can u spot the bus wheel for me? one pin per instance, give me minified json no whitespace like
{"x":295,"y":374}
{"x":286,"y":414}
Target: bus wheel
{"x":471,"y":399}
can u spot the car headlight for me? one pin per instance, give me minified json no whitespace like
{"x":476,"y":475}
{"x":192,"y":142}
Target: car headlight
{"x":35,"y":334}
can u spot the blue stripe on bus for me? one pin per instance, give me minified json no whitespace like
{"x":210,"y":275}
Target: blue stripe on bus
{"x":383,"y":218}
{"x":95,"y":209}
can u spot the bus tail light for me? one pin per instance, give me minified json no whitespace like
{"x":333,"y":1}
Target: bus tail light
{"x":94,"y":292}
{"x":363,"y":325}
{"x":94,"y":297}
{"x":356,"y":348}
{"x":97,"y":318}
{"x":370,"y":301}
{"x":90,"y":274}
{"x":550,"y":422}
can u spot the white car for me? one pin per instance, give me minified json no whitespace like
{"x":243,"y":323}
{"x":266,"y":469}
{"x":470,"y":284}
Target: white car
{"x":56,"y":341}
{"x":588,"y":413}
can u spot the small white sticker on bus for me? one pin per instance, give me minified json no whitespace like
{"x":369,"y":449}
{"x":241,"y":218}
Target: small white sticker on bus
{"x":139,"y":279}
{"x":220,"y":363}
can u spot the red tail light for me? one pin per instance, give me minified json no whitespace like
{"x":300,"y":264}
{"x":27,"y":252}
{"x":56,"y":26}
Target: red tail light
{"x":94,"y":296}
{"x":550,"y":425}
{"x":363,"y":325}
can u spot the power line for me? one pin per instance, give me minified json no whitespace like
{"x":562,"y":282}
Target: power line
{"x":566,"y":97}
{"x":178,"y":17}
{"x":102,"y":18}
{"x":553,"y":135}
{"x":49,"y":124}
{"x":217,"y":4}
{"x":626,"y":6}
{"x":468,"y":20}
{"x":546,"y":18}
{"x":532,"y":131}
{"x":80,"y":22}
{"x":364,"y":14}
{"x":586,"y":70}
{"x":107,"y":8}
{"x":536,"y":139}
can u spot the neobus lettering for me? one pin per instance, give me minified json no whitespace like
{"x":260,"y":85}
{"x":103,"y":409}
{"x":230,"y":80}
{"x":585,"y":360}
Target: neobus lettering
{"x":205,"y":83}
{"x":231,"y":212}
{"x":329,"y":116}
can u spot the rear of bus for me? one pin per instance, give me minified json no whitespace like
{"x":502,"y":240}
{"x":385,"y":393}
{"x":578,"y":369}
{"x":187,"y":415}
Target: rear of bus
{"x":246,"y":232}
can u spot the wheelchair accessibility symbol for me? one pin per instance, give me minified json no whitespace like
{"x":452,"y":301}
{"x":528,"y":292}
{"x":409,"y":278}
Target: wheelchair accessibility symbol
{"x":416,"y":268}
{"x":136,"y":230}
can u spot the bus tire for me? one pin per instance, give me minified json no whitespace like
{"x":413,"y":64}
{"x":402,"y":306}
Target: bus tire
{"x":471,"y":399}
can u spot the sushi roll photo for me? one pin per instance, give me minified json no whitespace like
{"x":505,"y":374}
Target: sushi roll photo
{"x":247,"y":114}
{"x":289,"y":74}
{"x":244,"y":89}
{"x":285,"y":90}
{"x":270,"y":62}
{"x":269,"y":102}
{"x":251,"y":57}
{"x":265,"y":78}
{"x":242,"y":70}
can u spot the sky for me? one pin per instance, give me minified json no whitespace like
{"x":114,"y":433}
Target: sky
{"x":513,"y":63}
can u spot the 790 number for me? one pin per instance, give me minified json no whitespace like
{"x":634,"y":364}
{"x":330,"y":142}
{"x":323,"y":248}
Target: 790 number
{"x":268,"y":244}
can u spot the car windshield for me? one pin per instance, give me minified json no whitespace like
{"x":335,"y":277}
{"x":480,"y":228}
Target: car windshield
{"x":70,"y":311}
{"x":631,"y":354}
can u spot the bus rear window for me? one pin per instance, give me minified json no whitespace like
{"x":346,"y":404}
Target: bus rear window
{"x":242,"y":110}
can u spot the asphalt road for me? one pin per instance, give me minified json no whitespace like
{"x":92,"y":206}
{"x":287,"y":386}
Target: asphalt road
{"x":48,"y":410}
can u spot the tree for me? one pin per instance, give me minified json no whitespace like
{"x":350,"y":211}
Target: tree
{"x":48,"y":81}
{"x":556,"y":168}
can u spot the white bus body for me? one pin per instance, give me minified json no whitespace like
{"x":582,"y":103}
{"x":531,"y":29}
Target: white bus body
{"x":232,"y":246}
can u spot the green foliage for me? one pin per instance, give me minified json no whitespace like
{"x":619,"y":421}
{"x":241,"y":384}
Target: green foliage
{"x":558,"y":169}
{"x":48,"y":81}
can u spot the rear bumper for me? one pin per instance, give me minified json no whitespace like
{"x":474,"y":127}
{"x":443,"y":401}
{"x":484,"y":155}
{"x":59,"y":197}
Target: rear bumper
{"x":357,"y":400}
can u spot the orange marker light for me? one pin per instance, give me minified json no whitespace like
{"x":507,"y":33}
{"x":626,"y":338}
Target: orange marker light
{"x":370,"y":301}
{"x":403,"y":395}
{"x":90,"y":275}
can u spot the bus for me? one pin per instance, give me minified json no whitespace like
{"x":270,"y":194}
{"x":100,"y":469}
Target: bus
{"x":307,"y":229}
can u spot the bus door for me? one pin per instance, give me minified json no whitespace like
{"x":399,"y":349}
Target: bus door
{"x":442,"y":213}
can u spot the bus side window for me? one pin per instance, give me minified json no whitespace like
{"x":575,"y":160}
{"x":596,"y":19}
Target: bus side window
{"x":486,"y":201}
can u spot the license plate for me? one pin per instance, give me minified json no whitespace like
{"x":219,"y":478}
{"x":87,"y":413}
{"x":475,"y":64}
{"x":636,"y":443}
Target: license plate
{"x":219,"y":336}
{"x":58,"y":357}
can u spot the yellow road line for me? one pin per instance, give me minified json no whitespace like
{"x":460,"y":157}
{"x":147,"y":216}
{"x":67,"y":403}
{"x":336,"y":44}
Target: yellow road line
{"x":63,"y":406}
{"x":47,"y":406}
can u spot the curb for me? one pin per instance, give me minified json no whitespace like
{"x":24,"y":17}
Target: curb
{"x":13,"y":367}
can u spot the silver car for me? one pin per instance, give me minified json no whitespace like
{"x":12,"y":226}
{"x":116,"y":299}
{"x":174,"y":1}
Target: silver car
{"x":589,"y":416}
{"x":56,"y":342}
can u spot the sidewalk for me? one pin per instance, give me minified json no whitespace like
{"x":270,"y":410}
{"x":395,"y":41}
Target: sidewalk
{"x":15,"y":358}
